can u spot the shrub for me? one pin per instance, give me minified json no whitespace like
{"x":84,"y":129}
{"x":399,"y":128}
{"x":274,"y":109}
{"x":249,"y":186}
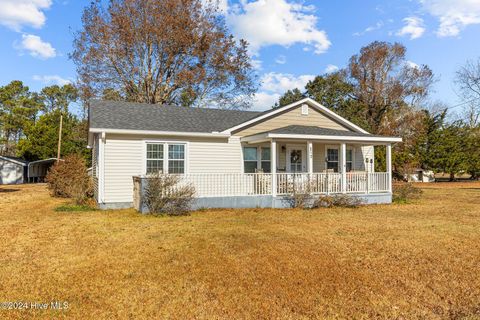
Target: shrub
{"x":69,"y":179}
{"x":337,"y":200}
{"x":164,"y":194}
{"x":405,"y":192}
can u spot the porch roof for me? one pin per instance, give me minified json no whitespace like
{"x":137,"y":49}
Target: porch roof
{"x":318,"y":133}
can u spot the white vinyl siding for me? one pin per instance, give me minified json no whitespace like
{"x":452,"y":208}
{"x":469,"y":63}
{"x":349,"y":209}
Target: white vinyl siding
{"x":95,"y":166}
{"x":361,"y":154}
{"x":123,"y":160}
{"x":215,"y":156}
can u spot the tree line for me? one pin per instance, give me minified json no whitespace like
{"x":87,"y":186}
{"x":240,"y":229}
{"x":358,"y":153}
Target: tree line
{"x":384,"y":93}
{"x":29,"y":122}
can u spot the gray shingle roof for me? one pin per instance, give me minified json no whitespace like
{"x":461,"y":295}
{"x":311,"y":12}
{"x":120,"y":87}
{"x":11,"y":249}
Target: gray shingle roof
{"x":318,"y":131}
{"x":143,"y":116}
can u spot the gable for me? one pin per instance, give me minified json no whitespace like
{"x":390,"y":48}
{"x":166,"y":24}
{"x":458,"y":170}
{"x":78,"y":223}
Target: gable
{"x":290,"y":117}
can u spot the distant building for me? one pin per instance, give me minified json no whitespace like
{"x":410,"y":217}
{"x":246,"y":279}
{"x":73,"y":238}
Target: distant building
{"x":421,"y":175}
{"x":13,"y":170}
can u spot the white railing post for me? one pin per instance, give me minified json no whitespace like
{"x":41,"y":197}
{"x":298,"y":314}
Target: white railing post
{"x":389,"y":167}
{"x":273,"y":166}
{"x":367,"y":182}
{"x":343,"y":167}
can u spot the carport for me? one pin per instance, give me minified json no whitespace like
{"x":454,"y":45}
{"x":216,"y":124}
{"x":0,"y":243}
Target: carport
{"x":37,"y":170}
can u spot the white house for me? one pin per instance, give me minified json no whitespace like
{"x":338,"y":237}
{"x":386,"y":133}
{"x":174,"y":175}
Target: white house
{"x":235,"y":158}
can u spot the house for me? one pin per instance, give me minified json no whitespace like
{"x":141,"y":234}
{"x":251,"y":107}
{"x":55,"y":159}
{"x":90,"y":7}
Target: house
{"x":421,"y":175}
{"x":13,"y":170}
{"x":235,"y":158}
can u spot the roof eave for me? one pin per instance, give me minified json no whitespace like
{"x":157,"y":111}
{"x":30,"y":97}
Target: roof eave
{"x":162,"y":133}
{"x":14,"y":161}
{"x":267,"y":136}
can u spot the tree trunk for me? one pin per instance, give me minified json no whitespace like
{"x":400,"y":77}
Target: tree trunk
{"x":452,"y":176}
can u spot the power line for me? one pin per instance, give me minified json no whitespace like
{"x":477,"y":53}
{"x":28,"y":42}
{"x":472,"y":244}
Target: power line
{"x":463,"y":103}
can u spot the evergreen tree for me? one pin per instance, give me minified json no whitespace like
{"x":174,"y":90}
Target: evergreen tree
{"x":18,"y":109}
{"x":41,"y":137}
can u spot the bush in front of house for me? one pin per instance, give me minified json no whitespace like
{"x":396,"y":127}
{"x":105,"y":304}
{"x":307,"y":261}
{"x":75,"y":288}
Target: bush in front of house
{"x":69,"y":179}
{"x":337,"y":200}
{"x":165,"y":194}
{"x":308,"y":201}
{"x":405,"y":192}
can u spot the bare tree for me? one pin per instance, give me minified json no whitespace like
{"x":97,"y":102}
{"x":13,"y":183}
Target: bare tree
{"x":169,"y":51}
{"x":468,"y":82}
{"x":385,"y":83}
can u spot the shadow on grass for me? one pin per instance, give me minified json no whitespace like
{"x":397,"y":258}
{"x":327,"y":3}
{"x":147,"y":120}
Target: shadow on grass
{"x":9,"y":190}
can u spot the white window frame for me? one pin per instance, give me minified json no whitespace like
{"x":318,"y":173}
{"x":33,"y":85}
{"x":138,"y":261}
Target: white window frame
{"x":261,"y":159}
{"x":259,"y":156}
{"x":337,"y":147}
{"x":243,"y":157}
{"x":165,"y":154}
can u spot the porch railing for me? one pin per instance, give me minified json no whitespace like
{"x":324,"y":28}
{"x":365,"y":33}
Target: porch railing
{"x":249,"y":184}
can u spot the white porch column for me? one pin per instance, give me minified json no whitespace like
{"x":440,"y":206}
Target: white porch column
{"x":343,"y":166}
{"x":389,"y":166}
{"x":273,"y":166}
{"x":310,"y":157}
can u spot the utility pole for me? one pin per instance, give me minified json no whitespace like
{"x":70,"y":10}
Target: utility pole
{"x":59,"y":138}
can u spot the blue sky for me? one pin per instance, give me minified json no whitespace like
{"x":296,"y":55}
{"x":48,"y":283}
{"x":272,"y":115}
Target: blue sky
{"x":291,"y":41}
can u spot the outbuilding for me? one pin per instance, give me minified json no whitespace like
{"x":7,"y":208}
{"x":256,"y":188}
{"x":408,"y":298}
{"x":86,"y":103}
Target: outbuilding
{"x":37,"y":170}
{"x":13,"y":170}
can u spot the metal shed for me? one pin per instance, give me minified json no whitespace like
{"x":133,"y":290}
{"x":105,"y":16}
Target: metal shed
{"x":37,"y":170}
{"x":13,"y":170}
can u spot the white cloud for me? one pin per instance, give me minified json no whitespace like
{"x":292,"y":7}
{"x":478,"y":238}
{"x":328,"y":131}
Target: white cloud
{"x":412,"y":64}
{"x":37,"y":47}
{"x":377,"y":26}
{"x":454,"y":16}
{"x":281,"y":59}
{"x":52,"y":79}
{"x":264,"y":101}
{"x":17,"y":13}
{"x":281,"y":82}
{"x":256,"y":64}
{"x":413,"y":27}
{"x":276,"y":22}
{"x":274,"y":85}
{"x":331,"y":68}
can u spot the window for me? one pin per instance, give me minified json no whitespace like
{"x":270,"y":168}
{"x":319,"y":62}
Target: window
{"x":349,"y":160}
{"x":155,"y":157}
{"x":266,"y":160}
{"x":158,"y":160}
{"x":250,"y":159}
{"x":332,"y":159}
{"x":176,"y":158}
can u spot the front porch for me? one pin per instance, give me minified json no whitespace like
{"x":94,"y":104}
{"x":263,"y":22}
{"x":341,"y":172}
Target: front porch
{"x":277,"y":169}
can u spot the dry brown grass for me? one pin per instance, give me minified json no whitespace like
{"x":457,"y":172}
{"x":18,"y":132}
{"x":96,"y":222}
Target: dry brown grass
{"x":418,"y":260}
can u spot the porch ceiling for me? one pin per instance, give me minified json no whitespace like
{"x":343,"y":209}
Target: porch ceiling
{"x":298,"y":132}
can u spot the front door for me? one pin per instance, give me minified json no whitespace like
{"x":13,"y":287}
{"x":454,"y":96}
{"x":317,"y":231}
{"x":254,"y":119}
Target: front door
{"x":296,"y":159}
